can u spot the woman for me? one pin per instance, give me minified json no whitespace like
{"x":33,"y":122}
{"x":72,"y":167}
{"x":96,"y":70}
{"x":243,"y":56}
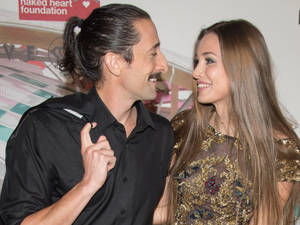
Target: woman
{"x":237,"y":158}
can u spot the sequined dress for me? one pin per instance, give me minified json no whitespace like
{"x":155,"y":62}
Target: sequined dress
{"x":212,"y":189}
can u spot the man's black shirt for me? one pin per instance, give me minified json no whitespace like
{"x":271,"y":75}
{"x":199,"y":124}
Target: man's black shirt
{"x":44,"y":161}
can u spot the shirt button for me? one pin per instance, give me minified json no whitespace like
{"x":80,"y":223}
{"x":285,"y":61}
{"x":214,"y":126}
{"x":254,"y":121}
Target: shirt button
{"x":123,"y":211}
{"x":125,"y":179}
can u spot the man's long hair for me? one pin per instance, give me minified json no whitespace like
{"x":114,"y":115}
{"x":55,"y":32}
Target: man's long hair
{"x":110,"y":28}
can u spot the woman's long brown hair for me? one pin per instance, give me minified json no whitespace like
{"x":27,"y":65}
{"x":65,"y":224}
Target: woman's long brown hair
{"x":256,"y":116}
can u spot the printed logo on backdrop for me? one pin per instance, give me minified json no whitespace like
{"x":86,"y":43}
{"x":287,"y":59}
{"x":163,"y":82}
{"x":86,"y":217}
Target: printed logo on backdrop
{"x":55,"y":10}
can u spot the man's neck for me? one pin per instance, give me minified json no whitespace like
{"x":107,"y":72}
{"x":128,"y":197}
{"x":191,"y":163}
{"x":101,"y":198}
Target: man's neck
{"x":120,"y":107}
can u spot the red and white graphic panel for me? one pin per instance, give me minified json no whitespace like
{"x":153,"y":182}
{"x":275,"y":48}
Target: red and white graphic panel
{"x":55,"y":10}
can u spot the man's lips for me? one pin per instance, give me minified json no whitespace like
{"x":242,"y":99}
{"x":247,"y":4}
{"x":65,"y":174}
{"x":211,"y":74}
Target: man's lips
{"x":154,"y":77}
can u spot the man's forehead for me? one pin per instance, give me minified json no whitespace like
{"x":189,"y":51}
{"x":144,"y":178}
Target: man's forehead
{"x":148,"y":34}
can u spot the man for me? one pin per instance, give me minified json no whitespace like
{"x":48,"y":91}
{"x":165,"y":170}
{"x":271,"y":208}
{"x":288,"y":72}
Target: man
{"x":99,"y":158}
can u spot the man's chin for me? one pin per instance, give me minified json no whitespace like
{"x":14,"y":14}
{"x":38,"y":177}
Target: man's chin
{"x":150,"y":97}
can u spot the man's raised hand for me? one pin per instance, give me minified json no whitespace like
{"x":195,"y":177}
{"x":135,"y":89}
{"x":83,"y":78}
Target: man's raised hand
{"x":98,"y":158}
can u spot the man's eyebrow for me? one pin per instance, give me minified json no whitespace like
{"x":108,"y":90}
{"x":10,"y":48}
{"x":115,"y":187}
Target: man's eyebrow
{"x":154,"y":47}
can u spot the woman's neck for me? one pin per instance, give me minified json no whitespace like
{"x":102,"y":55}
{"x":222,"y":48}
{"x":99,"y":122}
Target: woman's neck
{"x":222,"y":123}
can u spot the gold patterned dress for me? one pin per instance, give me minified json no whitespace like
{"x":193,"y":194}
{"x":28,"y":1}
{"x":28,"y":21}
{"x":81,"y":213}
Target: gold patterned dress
{"x":212,"y":189}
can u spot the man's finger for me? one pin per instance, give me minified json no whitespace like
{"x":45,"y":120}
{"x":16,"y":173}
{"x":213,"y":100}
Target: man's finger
{"x":102,"y":143}
{"x":85,"y":136}
{"x":107,"y":152}
{"x":111,"y":162}
{"x":101,"y":138}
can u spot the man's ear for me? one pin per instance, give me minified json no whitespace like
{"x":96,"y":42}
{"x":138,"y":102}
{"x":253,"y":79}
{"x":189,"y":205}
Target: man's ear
{"x":113,"y":62}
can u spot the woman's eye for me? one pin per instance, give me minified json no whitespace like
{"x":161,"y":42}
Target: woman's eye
{"x":154,"y":54}
{"x":209,"y":60}
{"x":195,"y":62}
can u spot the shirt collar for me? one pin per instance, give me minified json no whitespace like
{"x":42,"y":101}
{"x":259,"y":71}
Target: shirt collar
{"x":104,"y":116}
{"x":92,"y":108}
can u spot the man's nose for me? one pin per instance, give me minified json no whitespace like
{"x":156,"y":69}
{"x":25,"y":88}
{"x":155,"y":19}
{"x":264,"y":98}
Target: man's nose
{"x":162,"y":63}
